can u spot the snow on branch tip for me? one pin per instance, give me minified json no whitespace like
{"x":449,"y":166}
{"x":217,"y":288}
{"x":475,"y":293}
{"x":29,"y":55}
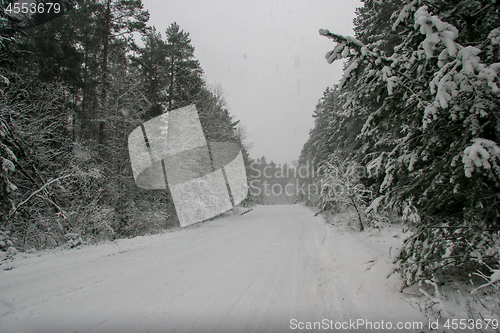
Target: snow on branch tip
{"x":351,"y":41}
{"x":344,"y":46}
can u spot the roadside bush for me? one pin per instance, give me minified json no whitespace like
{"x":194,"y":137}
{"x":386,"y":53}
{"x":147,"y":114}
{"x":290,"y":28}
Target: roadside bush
{"x":341,"y":185}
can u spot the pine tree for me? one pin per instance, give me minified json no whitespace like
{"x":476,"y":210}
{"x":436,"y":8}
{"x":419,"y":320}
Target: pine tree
{"x":184,"y":73}
{"x":77,"y":83}
{"x":215,"y":118}
{"x":121,"y":19}
{"x":153,"y":64}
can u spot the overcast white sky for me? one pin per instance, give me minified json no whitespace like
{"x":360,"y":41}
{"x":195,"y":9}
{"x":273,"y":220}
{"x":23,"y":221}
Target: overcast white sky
{"x":268,"y":58}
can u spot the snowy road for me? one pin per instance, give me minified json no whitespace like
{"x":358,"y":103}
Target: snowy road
{"x":271,"y":270}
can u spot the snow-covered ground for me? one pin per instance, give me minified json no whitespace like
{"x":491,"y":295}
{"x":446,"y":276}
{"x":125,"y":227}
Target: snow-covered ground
{"x":275,"y":269}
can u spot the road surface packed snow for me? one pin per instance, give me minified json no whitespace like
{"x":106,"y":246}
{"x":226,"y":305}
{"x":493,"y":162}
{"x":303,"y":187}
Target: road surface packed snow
{"x":275,"y":269}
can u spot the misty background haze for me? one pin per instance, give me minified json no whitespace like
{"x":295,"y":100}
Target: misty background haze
{"x":267,"y":57}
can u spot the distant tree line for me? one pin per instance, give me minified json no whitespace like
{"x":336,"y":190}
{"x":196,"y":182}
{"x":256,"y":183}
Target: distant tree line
{"x":72,"y":89}
{"x":418,"y":108}
{"x":272,"y":184}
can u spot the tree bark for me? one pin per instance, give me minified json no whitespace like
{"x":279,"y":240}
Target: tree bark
{"x":171,"y":93}
{"x":84,"y":116}
{"x":361,"y":226}
{"x":105,"y":72}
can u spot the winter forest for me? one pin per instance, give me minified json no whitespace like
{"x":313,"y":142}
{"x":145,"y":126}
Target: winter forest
{"x":418,"y":106}
{"x":409,"y":136}
{"x":68,"y":106}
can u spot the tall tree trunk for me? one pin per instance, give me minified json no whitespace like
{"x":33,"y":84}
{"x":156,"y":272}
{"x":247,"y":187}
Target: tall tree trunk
{"x":171,"y":94}
{"x":361,"y":226}
{"x":84,"y":116}
{"x":105,"y":73}
{"x":73,"y":120}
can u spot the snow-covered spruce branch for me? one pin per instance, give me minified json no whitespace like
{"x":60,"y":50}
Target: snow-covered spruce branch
{"x":348,"y":47}
{"x":461,"y":69}
{"x":347,"y":43}
{"x":482,"y":154}
{"x":379,"y":65}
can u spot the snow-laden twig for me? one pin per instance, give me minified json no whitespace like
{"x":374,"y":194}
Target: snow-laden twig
{"x":492,"y":279}
{"x":39,"y":190}
{"x":403,"y":14}
{"x":436,"y":300}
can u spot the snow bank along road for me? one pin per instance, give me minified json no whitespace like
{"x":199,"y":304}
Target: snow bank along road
{"x":275,"y":269}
